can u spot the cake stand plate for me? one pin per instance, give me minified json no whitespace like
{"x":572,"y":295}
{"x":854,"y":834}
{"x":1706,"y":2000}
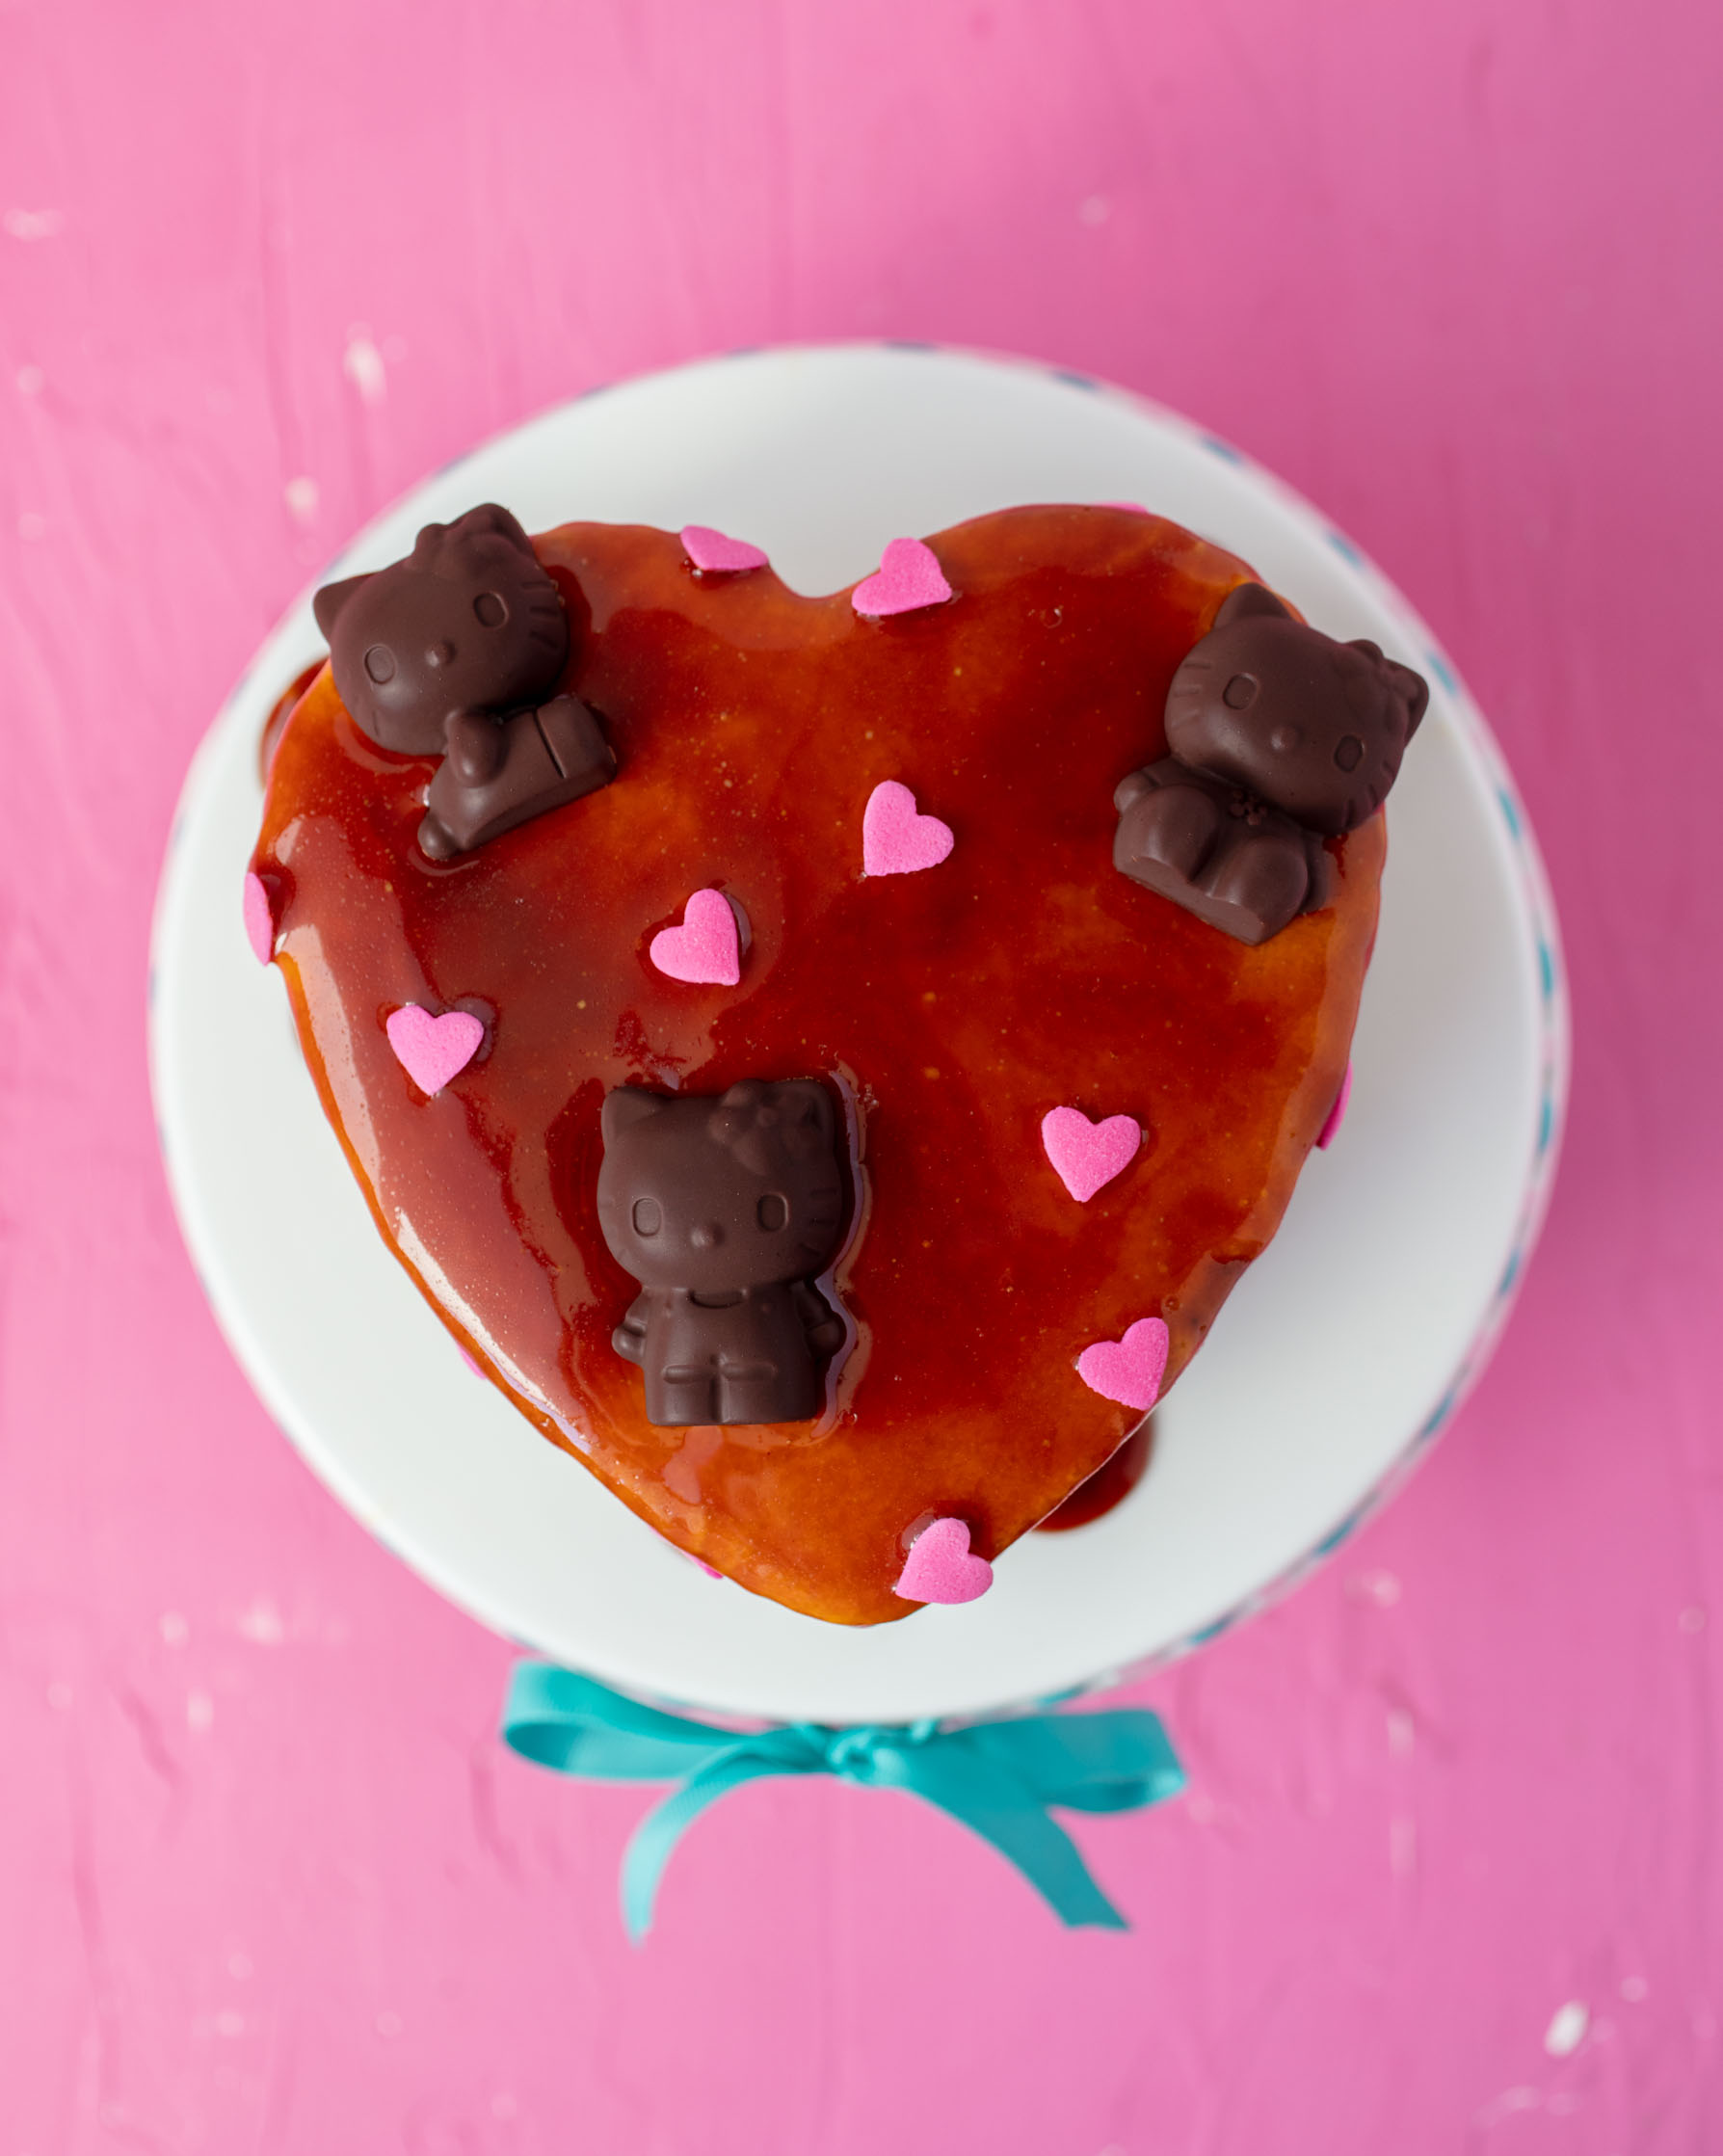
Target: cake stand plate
{"x":1337,"y":1358}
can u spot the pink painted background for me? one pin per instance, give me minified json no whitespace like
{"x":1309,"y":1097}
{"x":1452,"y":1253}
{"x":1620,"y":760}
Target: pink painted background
{"x":267,"y":1883}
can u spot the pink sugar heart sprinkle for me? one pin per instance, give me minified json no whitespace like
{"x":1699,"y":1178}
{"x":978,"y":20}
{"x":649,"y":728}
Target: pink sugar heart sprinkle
{"x":715,"y":552}
{"x":940,"y":1566}
{"x":1337,"y":1115}
{"x":1131,"y":1370}
{"x":705,"y":947}
{"x":432,"y":1050}
{"x":1087,"y":1155}
{"x":260,"y":918}
{"x":909,"y":577}
{"x":1135,"y":507}
{"x":896,"y":838}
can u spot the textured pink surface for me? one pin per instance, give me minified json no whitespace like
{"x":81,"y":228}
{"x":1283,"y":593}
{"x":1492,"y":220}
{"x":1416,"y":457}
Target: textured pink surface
{"x":1128,"y":1368}
{"x":703,"y":945}
{"x":260,"y":918}
{"x":941,"y":1567}
{"x":908,"y":578}
{"x":1337,"y":1115}
{"x":434,"y":1046}
{"x":897,"y":839}
{"x":1087,"y":1154}
{"x":717,"y":552}
{"x":266,"y":1884}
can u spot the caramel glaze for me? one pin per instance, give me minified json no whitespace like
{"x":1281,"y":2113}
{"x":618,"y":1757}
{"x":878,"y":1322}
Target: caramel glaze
{"x":950,"y":1009}
{"x":1107,"y":1487}
{"x":280,"y":712}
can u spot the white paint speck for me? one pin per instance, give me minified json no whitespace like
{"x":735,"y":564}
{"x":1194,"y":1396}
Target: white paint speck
{"x":199,"y":1711}
{"x":364,"y":366}
{"x":1505,"y":2105}
{"x":1567,"y":2029}
{"x":29,"y":381}
{"x":1402,"y":1733}
{"x":1383,"y":1589}
{"x":239,"y":1966}
{"x":60,"y":1696}
{"x":1402,"y":1847}
{"x":1634,"y":1990}
{"x":32,"y":525}
{"x":1692,"y":1619}
{"x":176,"y":1631}
{"x":230,"y":2022}
{"x":1094,"y":210}
{"x":388,"y":2024}
{"x":33,"y":223}
{"x":263,"y":1623}
{"x":302,"y":496}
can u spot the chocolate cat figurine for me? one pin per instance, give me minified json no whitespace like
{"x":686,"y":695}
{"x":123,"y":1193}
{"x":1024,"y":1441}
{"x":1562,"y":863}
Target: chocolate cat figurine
{"x":447,"y":653}
{"x":724,"y":1208}
{"x":1280,"y":737}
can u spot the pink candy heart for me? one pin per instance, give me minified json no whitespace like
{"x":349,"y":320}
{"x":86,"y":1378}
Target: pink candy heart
{"x":908,"y":576}
{"x":1337,"y":1115}
{"x":940,"y":1566}
{"x":712,"y":550}
{"x":1135,"y":507}
{"x":896,"y":838}
{"x":260,"y":920}
{"x":1131,"y":1370}
{"x":705,"y":947}
{"x":432,"y":1050}
{"x":1087,"y":1155}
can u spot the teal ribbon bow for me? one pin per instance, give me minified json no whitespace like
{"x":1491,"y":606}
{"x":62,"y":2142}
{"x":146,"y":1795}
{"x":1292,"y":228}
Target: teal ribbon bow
{"x":996,"y":1777}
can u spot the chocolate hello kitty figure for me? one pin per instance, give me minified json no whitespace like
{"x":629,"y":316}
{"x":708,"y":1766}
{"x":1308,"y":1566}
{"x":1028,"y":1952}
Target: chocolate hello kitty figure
{"x":450,"y":653}
{"x":1280,"y":737}
{"x":724,"y":1208}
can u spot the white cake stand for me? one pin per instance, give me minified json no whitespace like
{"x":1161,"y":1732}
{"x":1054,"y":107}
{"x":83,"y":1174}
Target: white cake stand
{"x":1334,"y":1362}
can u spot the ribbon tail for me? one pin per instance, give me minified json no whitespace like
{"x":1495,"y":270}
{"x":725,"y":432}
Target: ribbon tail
{"x":1008,"y":1813}
{"x":649,"y":1849}
{"x":1114,"y":1761}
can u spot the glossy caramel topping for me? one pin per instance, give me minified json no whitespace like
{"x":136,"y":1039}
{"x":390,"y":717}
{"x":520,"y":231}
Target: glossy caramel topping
{"x":1108,"y":1488}
{"x":949,"y":1009}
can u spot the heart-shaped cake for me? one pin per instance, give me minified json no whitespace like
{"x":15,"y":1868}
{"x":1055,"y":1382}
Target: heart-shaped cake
{"x":827,"y":1060}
